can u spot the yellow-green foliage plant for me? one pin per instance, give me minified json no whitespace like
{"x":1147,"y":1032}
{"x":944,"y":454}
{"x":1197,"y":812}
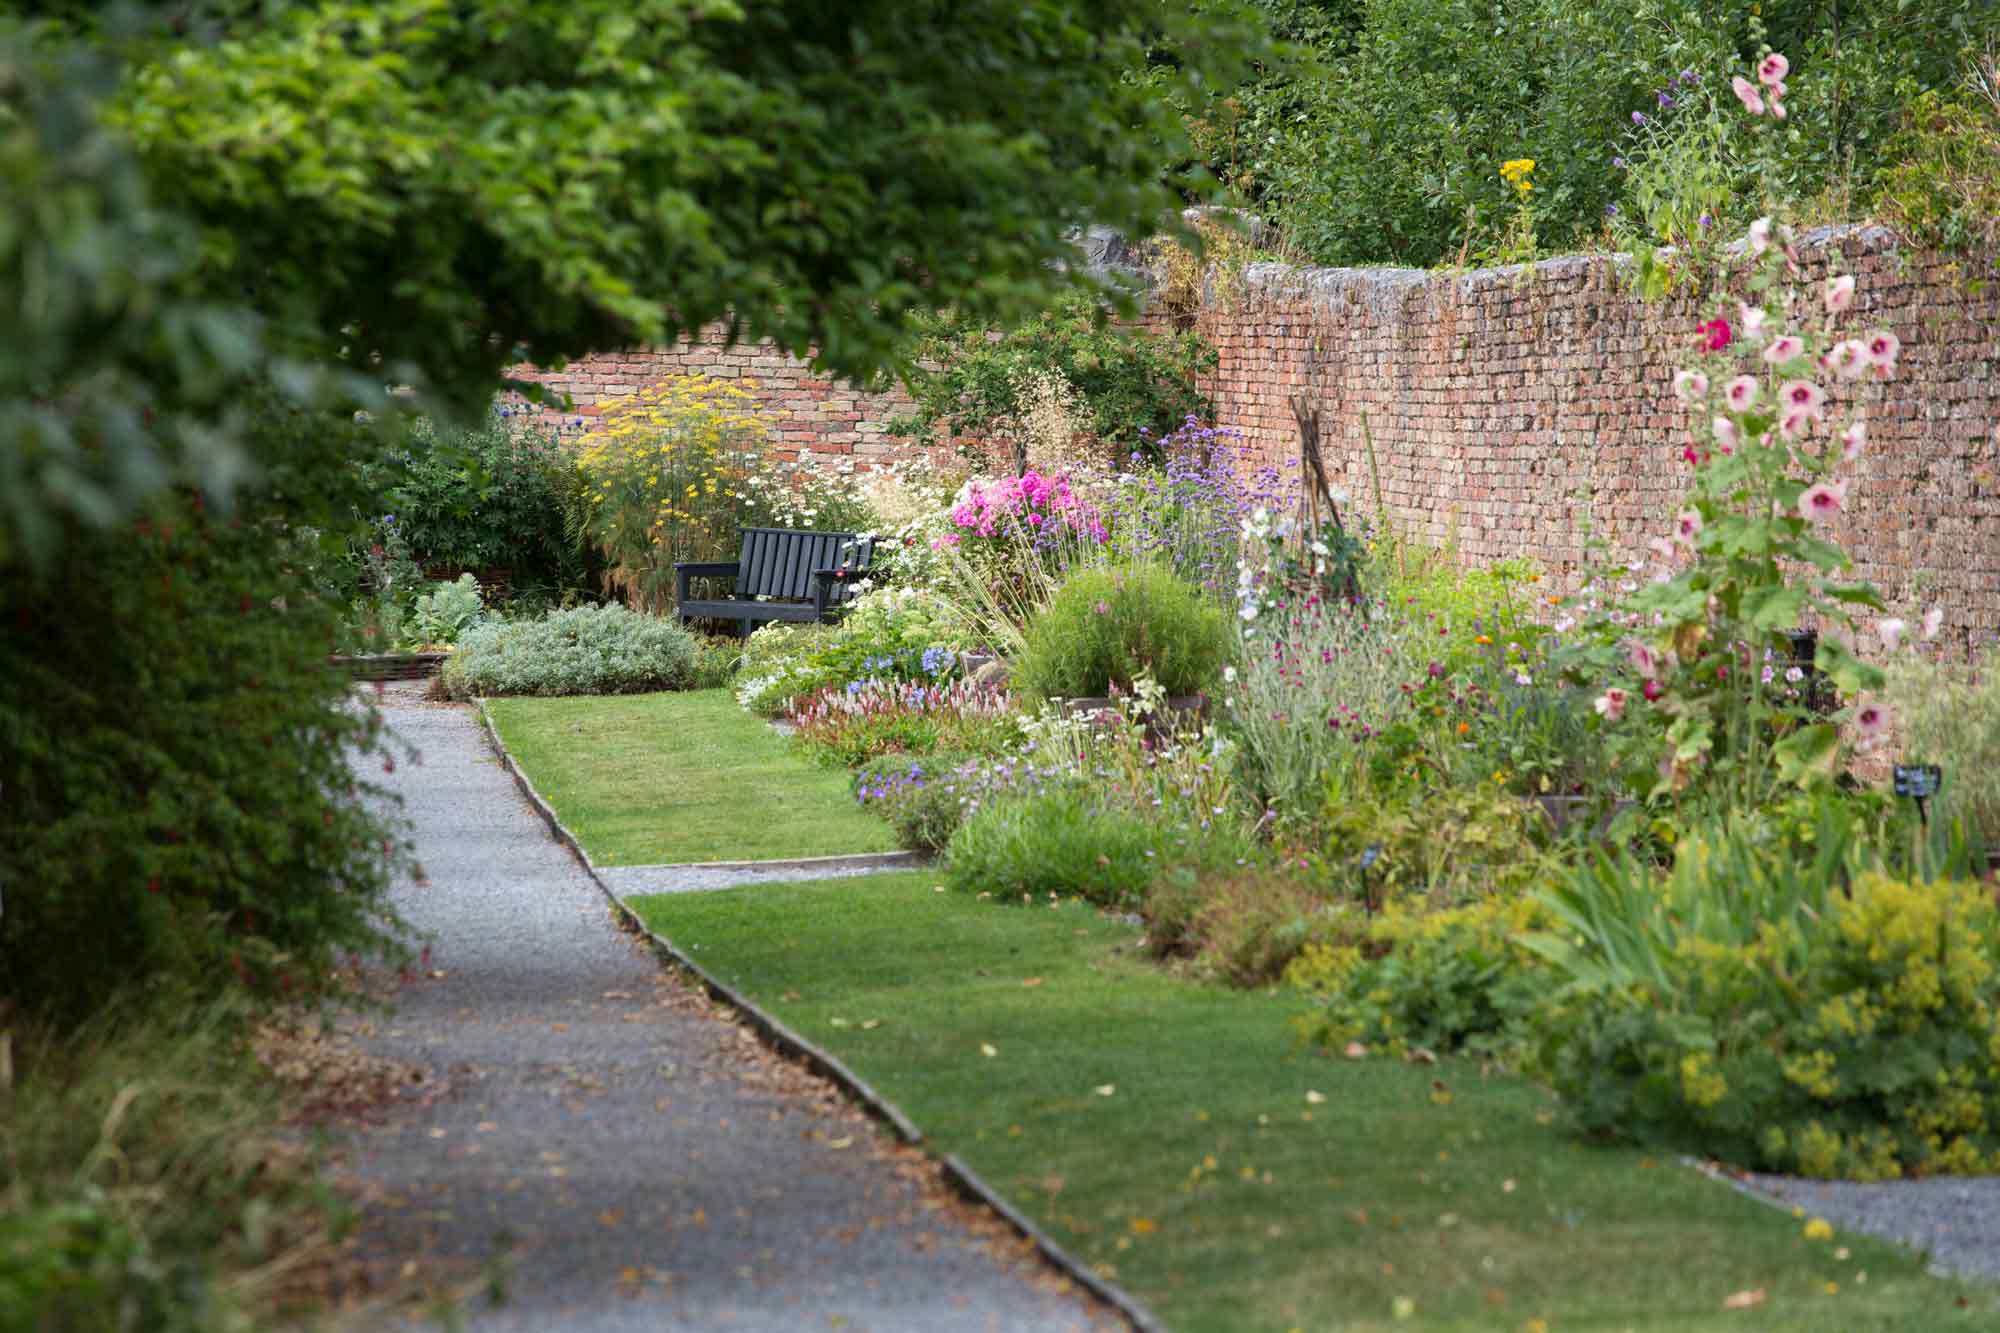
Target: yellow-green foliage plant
{"x":666,"y":474}
{"x":1747,"y":1006}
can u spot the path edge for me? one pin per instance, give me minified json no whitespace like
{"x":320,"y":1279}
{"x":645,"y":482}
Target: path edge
{"x":782,"y":1038}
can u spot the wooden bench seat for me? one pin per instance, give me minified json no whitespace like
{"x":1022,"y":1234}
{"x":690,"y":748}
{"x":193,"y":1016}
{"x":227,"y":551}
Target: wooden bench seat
{"x":780,"y":574}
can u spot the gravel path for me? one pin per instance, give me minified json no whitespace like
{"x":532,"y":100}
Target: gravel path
{"x":1953,"y":1219}
{"x":645,"y":1162}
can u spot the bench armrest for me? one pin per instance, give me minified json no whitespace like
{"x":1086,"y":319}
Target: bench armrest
{"x":824,"y":581}
{"x":684,"y":570}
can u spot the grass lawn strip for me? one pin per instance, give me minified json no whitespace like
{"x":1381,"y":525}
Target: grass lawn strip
{"x":652,"y":779}
{"x":1179,"y":1138}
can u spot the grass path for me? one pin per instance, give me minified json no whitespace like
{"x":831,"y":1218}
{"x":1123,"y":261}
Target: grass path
{"x":1181,"y":1139}
{"x":651,"y":779}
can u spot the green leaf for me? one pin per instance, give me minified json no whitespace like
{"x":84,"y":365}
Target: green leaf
{"x":1808,"y":754}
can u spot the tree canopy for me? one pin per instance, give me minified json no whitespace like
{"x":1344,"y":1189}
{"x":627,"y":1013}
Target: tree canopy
{"x":421,"y":192}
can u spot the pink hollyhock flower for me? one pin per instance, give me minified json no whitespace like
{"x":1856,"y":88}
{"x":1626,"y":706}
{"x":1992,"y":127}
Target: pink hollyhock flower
{"x":1690,"y":386}
{"x":1777,"y":107}
{"x":1726,"y":434}
{"x":1891,"y":631}
{"x":1794,"y":425}
{"x":1802,"y":396}
{"x":1852,"y":440}
{"x":1610,"y":705}
{"x":1746,"y":92}
{"x":1687,"y":526}
{"x":1882,"y":348}
{"x":1772,"y":69}
{"x":1871,"y":720}
{"x":1760,"y":230}
{"x":1716,"y":334}
{"x":1839,"y":294}
{"x":1652,"y":689}
{"x":1643,"y":659}
{"x":1848,"y":359}
{"x":1662,"y":547}
{"x":1788,"y":348}
{"x":1752,"y":319}
{"x":1822,"y":500}
{"x":1740,"y":392}
{"x":1688,"y":454}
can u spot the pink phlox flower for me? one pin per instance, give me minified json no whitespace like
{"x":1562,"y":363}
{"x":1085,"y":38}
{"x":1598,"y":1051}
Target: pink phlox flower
{"x":1747,"y":93}
{"x":1852,"y":441}
{"x":1822,"y":500}
{"x":1610,"y":705}
{"x":1772,"y":69}
{"x":1839,"y":294}
{"x":1790,"y":347}
{"x":1690,"y":386}
{"x":1740,"y":393}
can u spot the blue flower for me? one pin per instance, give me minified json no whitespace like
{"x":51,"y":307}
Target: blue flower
{"x":1618,"y":162}
{"x":1638,"y":118}
{"x":1666,"y":100}
{"x":937,"y":661}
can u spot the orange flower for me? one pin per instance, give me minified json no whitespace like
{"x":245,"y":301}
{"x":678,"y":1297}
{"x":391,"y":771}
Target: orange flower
{"x":1464,"y":727}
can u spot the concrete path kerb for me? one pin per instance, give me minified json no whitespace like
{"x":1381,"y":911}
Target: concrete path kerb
{"x":647,"y":1163}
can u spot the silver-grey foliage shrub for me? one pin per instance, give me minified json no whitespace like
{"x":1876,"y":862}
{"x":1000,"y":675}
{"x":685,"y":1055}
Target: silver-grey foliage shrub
{"x":583,"y":650}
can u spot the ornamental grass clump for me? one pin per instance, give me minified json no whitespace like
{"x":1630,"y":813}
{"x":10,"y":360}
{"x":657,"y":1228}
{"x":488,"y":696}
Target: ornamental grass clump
{"x":1107,"y":629}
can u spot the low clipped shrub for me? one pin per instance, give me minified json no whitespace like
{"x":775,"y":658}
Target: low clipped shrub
{"x":582,"y":650}
{"x":1058,"y":841}
{"x":1108,"y":627}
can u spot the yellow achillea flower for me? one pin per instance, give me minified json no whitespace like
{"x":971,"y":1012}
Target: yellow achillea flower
{"x":1517,"y":171}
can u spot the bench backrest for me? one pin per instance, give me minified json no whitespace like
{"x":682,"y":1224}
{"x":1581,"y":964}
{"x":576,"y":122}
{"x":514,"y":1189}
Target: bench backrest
{"x":779,"y":562}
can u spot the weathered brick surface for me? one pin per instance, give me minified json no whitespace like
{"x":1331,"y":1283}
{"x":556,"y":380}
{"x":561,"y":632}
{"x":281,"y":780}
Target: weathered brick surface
{"x":1511,"y":407}
{"x":1508,"y":407}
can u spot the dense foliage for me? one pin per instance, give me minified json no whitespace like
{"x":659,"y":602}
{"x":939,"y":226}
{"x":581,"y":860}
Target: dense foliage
{"x":1109,"y":627}
{"x":175,"y":818}
{"x":1447,"y":91}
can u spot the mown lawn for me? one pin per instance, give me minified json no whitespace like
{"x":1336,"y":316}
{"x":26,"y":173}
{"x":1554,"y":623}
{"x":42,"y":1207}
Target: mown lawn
{"x":1179,"y":1137}
{"x":650,"y":779}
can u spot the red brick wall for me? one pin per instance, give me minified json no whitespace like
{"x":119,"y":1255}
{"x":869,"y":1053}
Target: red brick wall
{"x":809,"y":414}
{"x":1507,"y":404}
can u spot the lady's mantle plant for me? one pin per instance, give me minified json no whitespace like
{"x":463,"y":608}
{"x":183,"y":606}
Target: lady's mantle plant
{"x":1691,"y":653}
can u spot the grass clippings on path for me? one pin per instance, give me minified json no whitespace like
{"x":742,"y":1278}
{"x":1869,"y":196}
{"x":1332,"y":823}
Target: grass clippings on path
{"x":1179,"y":1138}
{"x":653,"y":779}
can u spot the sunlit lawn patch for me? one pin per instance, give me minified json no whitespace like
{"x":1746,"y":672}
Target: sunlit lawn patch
{"x":651,"y":779}
{"x":1181,"y":1138}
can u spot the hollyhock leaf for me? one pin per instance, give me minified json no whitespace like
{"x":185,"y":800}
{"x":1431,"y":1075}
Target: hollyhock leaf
{"x":1773,"y":608}
{"x":1808,"y":754}
{"x":1856,"y":594}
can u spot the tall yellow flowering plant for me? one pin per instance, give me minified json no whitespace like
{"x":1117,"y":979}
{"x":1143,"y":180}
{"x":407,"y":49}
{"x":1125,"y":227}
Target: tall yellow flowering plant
{"x":666,"y":471}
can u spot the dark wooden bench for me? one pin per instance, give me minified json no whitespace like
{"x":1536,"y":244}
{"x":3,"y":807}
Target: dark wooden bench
{"x":780,"y":574}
